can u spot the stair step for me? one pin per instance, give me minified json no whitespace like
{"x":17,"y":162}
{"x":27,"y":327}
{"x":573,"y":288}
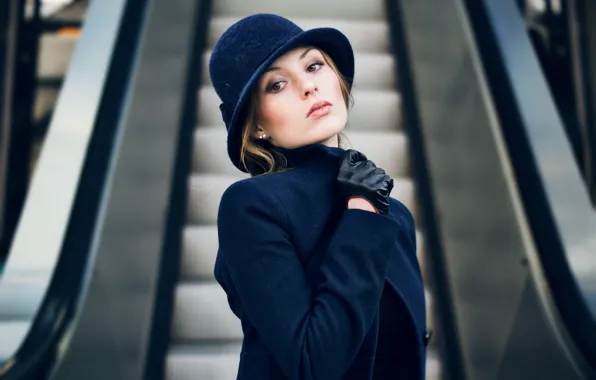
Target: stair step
{"x":353,"y":10}
{"x":373,"y":110}
{"x":389,"y":150}
{"x":202,"y":312}
{"x":205,"y":191}
{"x":199,"y":250}
{"x":209,"y":361}
{"x":364,"y":36}
{"x":204,"y":194}
{"x":375,"y":71}
{"x":210,"y":152}
{"x":420,"y":252}
{"x":55,"y":52}
{"x":65,"y":9}
{"x":429,"y":301}
{"x":433,"y":365}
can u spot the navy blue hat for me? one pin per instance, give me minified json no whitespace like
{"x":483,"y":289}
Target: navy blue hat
{"x":248,"y":47}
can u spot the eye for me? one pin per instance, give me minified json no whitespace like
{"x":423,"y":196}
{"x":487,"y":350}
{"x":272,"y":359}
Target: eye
{"x":275,"y":87}
{"x":315,"y":66}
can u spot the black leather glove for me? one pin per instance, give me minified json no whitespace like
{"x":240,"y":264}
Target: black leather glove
{"x":360,"y":177}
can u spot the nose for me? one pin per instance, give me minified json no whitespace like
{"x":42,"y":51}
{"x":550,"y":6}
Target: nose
{"x":309,"y":87}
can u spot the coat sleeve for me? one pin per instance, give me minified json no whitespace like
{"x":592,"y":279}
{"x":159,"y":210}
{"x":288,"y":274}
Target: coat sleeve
{"x":313,"y":334}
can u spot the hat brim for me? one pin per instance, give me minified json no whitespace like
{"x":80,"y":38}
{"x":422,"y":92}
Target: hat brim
{"x":333,"y":42}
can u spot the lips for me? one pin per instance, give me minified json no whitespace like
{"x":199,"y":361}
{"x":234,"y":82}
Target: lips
{"x":318,"y":109}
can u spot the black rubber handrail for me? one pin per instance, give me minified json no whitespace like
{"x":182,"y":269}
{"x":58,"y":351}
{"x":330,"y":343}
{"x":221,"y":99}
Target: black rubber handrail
{"x":555,"y":198}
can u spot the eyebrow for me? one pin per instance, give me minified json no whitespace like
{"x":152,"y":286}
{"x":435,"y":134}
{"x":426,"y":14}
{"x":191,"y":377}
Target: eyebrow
{"x":301,"y":58}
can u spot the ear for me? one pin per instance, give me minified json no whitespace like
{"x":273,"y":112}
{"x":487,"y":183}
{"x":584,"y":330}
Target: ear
{"x":258,"y":133}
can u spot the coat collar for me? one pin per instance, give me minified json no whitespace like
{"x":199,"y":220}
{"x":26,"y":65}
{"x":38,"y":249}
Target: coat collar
{"x":310,"y":153}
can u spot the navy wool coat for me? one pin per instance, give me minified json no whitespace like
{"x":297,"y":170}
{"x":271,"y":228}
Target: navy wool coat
{"x":305,"y":275}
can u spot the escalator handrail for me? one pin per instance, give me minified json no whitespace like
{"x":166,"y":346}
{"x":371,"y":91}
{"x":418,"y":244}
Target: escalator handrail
{"x":44,"y":276}
{"x":556,"y":200}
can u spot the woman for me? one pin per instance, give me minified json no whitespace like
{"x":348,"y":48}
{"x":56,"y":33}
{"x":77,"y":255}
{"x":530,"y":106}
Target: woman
{"x":317,"y":261}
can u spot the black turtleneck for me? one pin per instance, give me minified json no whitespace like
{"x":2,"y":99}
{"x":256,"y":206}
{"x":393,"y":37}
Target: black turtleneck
{"x":305,"y":154}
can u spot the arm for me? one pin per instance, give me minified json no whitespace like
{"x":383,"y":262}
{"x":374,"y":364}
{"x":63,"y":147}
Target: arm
{"x":313,"y":334}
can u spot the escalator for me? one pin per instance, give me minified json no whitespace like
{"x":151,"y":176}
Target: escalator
{"x":120,"y":283}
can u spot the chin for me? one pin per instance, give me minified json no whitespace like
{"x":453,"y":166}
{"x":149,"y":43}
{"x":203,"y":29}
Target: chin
{"x":333,"y":121}
{"x":325,"y":137}
{"x":317,"y":133}
{"x":333,"y":128}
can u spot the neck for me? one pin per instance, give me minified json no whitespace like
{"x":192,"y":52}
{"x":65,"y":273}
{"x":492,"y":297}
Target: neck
{"x":332,"y":142}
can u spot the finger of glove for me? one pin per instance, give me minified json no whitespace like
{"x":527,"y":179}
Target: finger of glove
{"x":362,"y":173}
{"x":366,"y":166}
{"x":352,"y":174}
{"x":350,"y":158}
{"x":381,"y":184}
{"x":374,"y":177}
{"x":385,"y":183}
{"x":383,"y":206}
{"x":389,"y":184}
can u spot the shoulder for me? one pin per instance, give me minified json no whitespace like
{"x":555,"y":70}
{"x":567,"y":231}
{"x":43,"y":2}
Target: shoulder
{"x":251,"y":194}
{"x":263,"y":186}
{"x":245,"y":191}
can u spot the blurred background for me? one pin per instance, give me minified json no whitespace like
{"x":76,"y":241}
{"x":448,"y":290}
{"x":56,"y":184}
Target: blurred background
{"x":112,"y":163}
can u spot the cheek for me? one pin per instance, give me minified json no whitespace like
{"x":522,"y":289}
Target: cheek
{"x":271,"y":112}
{"x":332,"y":82}
{"x":280,"y":111}
{"x":339,"y":98}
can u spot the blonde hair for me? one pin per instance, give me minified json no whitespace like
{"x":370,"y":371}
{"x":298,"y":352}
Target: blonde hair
{"x":258,"y":157}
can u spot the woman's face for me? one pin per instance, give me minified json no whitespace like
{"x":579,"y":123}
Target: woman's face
{"x":300,"y":101}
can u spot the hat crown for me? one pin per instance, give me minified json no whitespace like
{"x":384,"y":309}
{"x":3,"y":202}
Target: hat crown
{"x":242,"y":48}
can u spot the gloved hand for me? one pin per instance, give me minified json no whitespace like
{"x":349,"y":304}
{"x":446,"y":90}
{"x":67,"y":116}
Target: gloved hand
{"x":360,"y":177}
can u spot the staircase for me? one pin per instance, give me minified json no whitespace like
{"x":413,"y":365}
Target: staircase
{"x":206,"y":337}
